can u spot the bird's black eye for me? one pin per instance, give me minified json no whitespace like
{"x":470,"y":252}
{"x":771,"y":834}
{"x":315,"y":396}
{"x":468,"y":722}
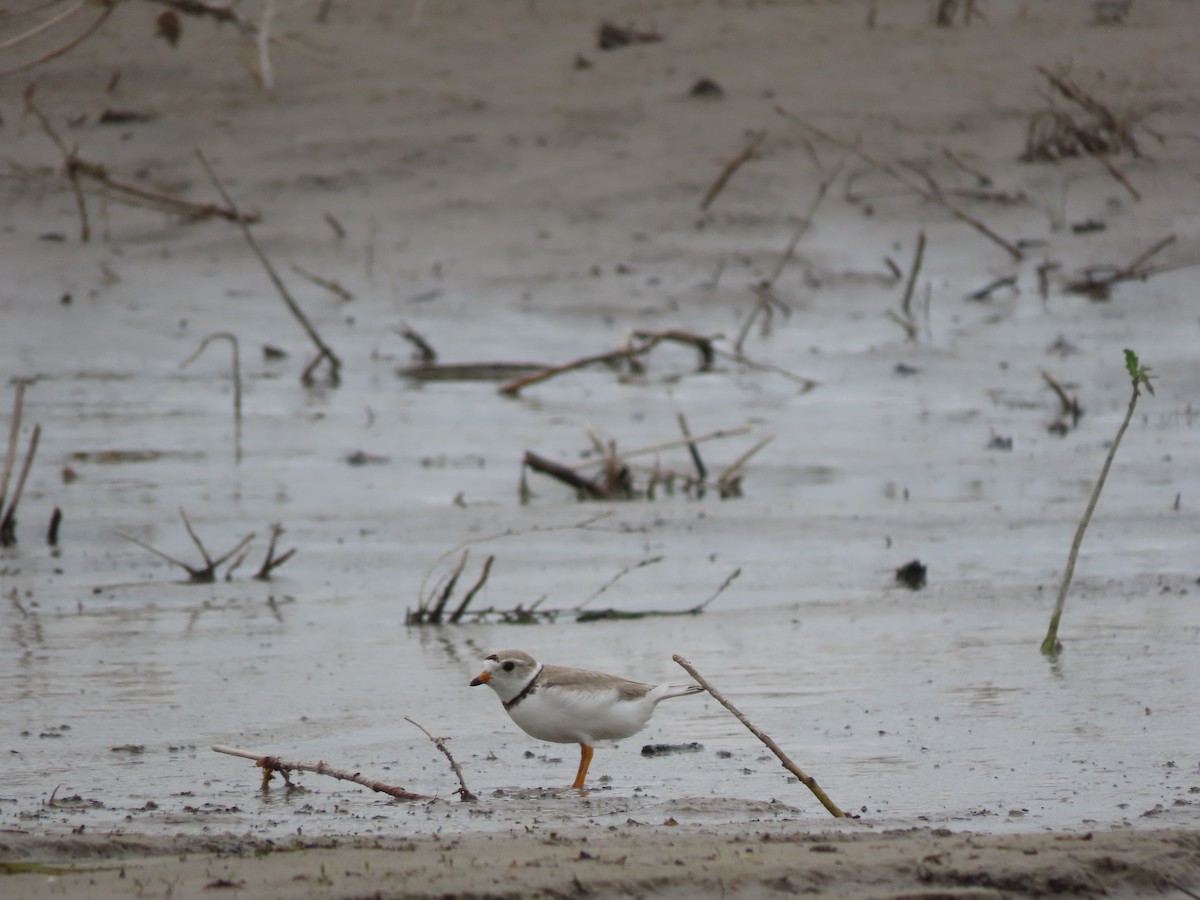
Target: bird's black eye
{"x":509,"y":666}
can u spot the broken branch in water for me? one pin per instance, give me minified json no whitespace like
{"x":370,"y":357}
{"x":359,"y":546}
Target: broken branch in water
{"x":328,"y":284}
{"x":272,"y":562}
{"x":601,"y":615}
{"x":475,"y":589}
{"x":638,"y":344}
{"x":324,"y":353}
{"x":1097,"y":282}
{"x":1070,"y":412}
{"x":732,"y":166}
{"x":625,"y":571}
{"x":9,"y":523}
{"x":14,"y":432}
{"x":271,"y":764}
{"x":924,"y":192}
{"x":430,"y":608}
{"x":463,"y":792}
{"x":196,"y":575}
{"x":237,"y":384}
{"x":422,"y":350}
{"x":808,"y":781}
{"x":905,"y":318}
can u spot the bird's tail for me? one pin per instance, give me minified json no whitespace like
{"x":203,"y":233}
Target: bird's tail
{"x":666,"y":691}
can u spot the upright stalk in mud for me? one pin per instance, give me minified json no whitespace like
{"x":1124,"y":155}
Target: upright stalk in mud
{"x":1139,"y":376}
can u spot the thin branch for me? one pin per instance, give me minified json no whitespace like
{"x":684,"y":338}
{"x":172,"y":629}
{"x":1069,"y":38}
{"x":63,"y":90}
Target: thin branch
{"x":107,"y":8}
{"x":806,"y":780}
{"x":470,"y":595}
{"x":271,"y":562}
{"x":271,"y":764}
{"x":463,"y":791}
{"x":701,"y":472}
{"x":8,"y":526}
{"x":728,"y":480}
{"x":70,"y":160}
{"x":14,"y":432}
{"x":732,"y":166}
{"x":918,"y":258}
{"x":237,"y":384}
{"x":44,"y":26}
{"x":333,"y":287}
{"x":625,"y":571}
{"x":919,"y":189}
{"x":324,"y":352}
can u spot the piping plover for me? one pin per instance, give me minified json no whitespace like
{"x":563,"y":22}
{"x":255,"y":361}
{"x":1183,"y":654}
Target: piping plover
{"x":572,"y":706}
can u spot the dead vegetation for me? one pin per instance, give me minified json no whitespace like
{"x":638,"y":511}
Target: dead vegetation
{"x":207,"y":573}
{"x":8,"y":519}
{"x":606,"y":473}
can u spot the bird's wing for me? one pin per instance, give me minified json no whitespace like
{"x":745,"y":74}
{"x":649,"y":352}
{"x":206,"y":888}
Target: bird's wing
{"x":585,"y":682}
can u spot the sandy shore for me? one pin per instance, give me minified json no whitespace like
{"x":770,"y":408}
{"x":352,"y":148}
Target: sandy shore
{"x":639,"y":859}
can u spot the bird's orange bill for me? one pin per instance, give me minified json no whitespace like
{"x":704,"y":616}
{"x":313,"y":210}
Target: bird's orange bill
{"x":585,"y":760}
{"x":482,"y":678}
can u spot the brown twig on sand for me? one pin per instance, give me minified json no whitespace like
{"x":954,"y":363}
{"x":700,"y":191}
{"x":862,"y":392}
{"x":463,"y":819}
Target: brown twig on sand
{"x":107,"y":7}
{"x":1097,"y":282}
{"x":237,"y":383}
{"x":271,"y":562}
{"x":324,"y":353}
{"x":8,"y":525}
{"x":271,"y":764}
{"x":806,"y":780}
{"x":463,"y":791}
{"x":196,"y":575}
{"x":732,"y":166}
{"x":639,"y":344}
{"x":923,"y":191}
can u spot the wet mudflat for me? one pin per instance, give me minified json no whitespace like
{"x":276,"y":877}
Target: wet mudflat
{"x":506,"y":221}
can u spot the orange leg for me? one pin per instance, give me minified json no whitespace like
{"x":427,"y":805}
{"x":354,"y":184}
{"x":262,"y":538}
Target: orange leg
{"x":585,"y":760}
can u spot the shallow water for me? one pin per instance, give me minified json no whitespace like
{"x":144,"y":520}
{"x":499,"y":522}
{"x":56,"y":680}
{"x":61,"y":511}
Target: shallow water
{"x":929,"y":706}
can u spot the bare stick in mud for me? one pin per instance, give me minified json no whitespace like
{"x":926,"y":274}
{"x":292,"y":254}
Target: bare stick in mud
{"x":14,"y":432}
{"x":1097,"y":281}
{"x":457,"y":615}
{"x":584,"y":486}
{"x":729,"y":482}
{"x":8,"y":525}
{"x":1139,"y":377}
{"x":905,"y":318}
{"x":701,"y":472}
{"x":237,"y":384}
{"x":1069,"y":407}
{"x":272,"y":562}
{"x":422,"y":349}
{"x":605,"y":615}
{"x":56,"y":518}
{"x":639,"y":344}
{"x":731,"y":168}
{"x":324,"y":353}
{"x":463,"y":791}
{"x":196,"y":575}
{"x":284,"y":767}
{"x":807,"y":780}
{"x":921,"y":190}
{"x":70,"y":157}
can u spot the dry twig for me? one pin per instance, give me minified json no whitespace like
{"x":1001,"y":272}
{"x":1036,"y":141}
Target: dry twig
{"x":271,"y":764}
{"x":237,"y":383}
{"x":923,"y":191}
{"x":806,"y":780}
{"x":1097,"y":282}
{"x":463,"y":792}
{"x":196,"y":575}
{"x":732,"y":166}
{"x":324,"y":353}
{"x":271,"y":562}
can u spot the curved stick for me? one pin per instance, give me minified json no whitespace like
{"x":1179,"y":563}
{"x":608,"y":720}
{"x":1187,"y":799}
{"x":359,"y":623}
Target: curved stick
{"x":237,"y":384}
